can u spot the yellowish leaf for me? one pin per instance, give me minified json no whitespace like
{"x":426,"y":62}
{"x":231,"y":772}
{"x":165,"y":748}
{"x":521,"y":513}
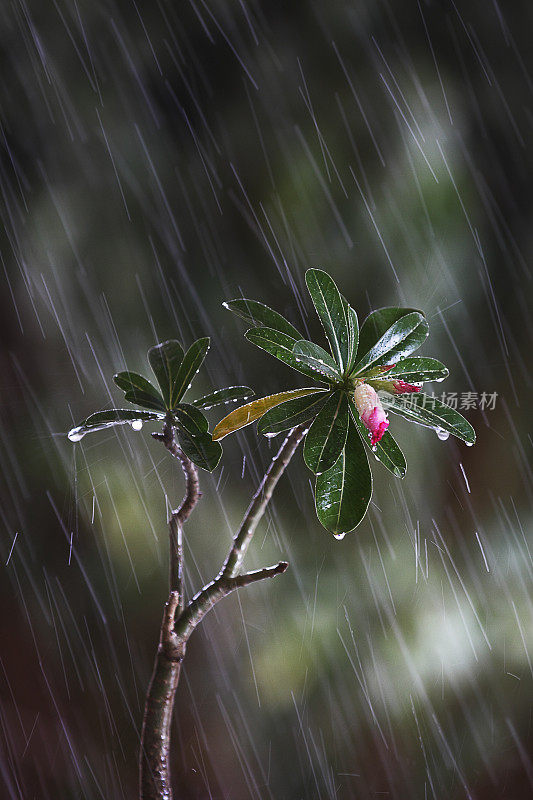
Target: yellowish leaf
{"x":247,"y":414}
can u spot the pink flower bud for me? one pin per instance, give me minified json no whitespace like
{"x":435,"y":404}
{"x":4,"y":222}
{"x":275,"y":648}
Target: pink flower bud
{"x":371,"y":411}
{"x":401,"y":387}
{"x":394,"y":386}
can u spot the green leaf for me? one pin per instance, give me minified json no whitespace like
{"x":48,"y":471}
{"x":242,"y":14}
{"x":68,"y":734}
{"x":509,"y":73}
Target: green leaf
{"x":145,"y":400}
{"x":260,"y":315}
{"x":165,"y":359}
{"x":135,"y":385}
{"x":201,"y":449}
{"x":191,"y":418}
{"x":404,"y":336}
{"x":317,"y":359}
{"x":343,"y":492}
{"x":377,"y":323}
{"x":416,"y":369}
{"x":386,"y":450}
{"x":353,"y":336}
{"x":327,"y":434}
{"x":221,"y":396}
{"x":291,"y":413}
{"x":280,"y":346}
{"x":110,"y":418}
{"x":247,"y":414}
{"x":331,"y":309}
{"x":428,"y":411}
{"x":192,"y":361}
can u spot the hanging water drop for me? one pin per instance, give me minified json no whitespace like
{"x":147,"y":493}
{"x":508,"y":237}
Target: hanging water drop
{"x":442,"y":434}
{"x":136,"y":424}
{"x":339,"y":536}
{"x":75,"y":435}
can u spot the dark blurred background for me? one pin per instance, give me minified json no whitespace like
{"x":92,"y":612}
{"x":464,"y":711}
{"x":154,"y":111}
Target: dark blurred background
{"x":156,"y":159}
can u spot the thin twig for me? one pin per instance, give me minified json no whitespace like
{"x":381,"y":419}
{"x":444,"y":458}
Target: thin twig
{"x":221,"y":587}
{"x":179,"y":516}
{"x":260,"y":500}
{"x":228,"y":580}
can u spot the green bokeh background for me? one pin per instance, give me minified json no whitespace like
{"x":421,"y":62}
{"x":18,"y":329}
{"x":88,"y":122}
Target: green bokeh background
{"x":157,"y":159}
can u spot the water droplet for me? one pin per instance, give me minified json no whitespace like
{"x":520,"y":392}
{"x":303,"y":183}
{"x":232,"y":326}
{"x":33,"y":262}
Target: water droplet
{"x":442,"y":434}
{"x":339,"y":536}
{"x":469,"y":444}
{"x":136,"y":424}
{"x":270,"y":435}
{"x":74,"y":435}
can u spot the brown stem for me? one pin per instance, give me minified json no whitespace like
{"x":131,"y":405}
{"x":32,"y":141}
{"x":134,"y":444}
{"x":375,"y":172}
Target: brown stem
{"x":155,"y":783}
{"x":179,"y":621}
{"x":154,"y":779}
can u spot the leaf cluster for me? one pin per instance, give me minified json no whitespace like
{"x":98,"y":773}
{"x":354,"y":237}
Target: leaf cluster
{"x":377,"y":353}
{"x":174,"y":372}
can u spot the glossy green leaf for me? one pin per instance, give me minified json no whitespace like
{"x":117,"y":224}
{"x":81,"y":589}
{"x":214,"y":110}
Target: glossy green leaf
{"x":192,"y":361}
{"x":190,"y":418}
{"x":327,"y":434}
{"x":134,"y":384}
{"x":201,"y":449}
{"x":343,"y":492}
{"x":317,"y":359}
{"x":280,"y":346}
{"x":247,"y":414}
{"x":404,"y":336}
{"x":145,"y":400}
{"x":229,"y":395}
{"x":165,"y":359}
{"x":377,"y":323}
{"x":113,"y":416}
{"x":260,"y":315}
{"x":332,"y":311}
{"x":386,"y":450}
{"x":429,"y":411}
{"x":415,"y":370}
{"x":353,"y":336}
{"x":287,"y":415}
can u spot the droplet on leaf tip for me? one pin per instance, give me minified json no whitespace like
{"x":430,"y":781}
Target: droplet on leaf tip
{"x":75,"y":435}
{"x":339,"y":536}
{"x":136,"y":424}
